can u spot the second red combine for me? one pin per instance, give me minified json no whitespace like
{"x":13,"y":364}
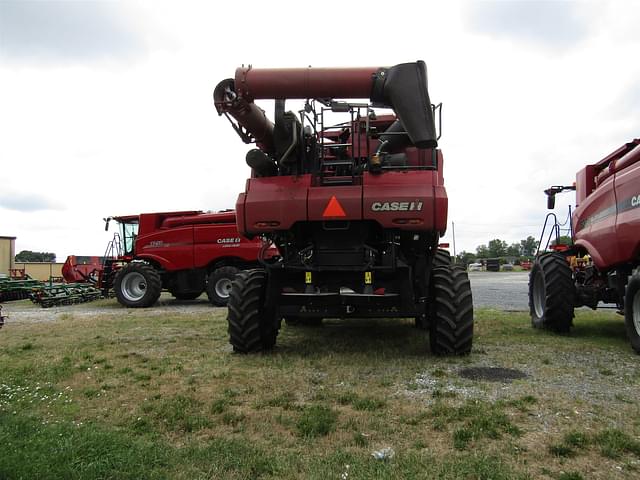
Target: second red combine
{"x":185,"y":253}
{"x":355,"y":205}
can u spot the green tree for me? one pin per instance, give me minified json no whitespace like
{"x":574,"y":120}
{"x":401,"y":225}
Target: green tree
{"x":482,"y":251}
{"x":497,"y":248}
{"x":529,"y":246}
{"x":514,"y":250}
{"x":29,"y":256}
{"x":465,"y":258}
{"x":563,"y":240}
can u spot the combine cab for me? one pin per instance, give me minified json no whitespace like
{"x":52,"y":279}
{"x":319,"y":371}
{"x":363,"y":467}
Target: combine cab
{"x":601,"y":264}
{"x":352,"y":197}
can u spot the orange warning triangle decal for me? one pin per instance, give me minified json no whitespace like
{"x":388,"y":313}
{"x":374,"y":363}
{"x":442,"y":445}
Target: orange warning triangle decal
{"x":334,"y":209}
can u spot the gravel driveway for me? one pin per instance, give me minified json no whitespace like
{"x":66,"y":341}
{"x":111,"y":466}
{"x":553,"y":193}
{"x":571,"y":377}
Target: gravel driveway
{"x":501,"y":290}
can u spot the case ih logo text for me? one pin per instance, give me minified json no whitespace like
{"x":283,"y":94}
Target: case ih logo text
{"x":635,"y":201}
{"x":229,"y":240}
{"x":396,"y":206}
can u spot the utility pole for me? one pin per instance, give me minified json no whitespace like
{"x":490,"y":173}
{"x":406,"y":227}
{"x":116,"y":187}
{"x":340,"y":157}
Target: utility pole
{"x":453,"y":230}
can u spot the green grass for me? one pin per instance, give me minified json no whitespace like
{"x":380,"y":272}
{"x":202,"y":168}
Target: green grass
{"x":613,"y":443}
{"x":316,"y":421}
{"x":133,"y":394}
{"x":570,"y":476}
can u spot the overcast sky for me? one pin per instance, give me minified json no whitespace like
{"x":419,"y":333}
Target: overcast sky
{"x":106,"y":107}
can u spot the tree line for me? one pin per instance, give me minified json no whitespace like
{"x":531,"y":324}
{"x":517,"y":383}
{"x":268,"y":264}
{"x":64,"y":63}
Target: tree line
{"x":496,"y":248}
{"x":29,"y":256}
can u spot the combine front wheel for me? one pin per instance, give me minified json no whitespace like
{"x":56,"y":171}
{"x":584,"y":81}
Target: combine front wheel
{"x":551,"y":293}
{"x":632,"y":311}
{"x":251,"y":326}
{"x":137,"y":285}
{"x":451,"y":315}
{"x":219,"y":285}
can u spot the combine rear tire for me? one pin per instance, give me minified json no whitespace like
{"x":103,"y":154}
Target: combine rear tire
{"x":251,"y":326}
{"x":219,"y":285}
{"x":632,"y":311}
{"x":137,"y":285}
{"x":451,"y":313}
{"x":551,"y":293}
{"x":442,"y":258}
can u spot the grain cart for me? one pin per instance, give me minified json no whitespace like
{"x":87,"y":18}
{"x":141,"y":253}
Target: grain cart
{"x":185,"y":253}
{"x":356,"y":207}
{"x":602,"y":263}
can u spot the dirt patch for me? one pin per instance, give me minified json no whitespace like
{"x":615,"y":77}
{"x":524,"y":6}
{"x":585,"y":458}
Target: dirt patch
{"x":492,"y":374}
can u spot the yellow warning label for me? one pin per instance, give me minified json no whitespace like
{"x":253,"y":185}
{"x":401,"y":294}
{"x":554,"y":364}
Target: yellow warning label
{"x":307,"y":277}
{"x":368,"y":278}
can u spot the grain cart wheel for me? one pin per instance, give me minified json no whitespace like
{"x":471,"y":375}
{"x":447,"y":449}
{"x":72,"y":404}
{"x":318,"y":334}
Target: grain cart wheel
{"x":219,"y":285}
{"x":451,"y":311}
{"x":251,"y":326}
{"x":186,"y":295}
{"x":442,"y":258}
{"x":551,"y":293}
{"x":137,"y":285}
{"x":632,"y":311}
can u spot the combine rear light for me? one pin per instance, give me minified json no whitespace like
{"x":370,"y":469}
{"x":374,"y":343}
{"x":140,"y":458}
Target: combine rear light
{"x":443,"y":245}
{"x":266,"y":224}
{"x":408,"y":221}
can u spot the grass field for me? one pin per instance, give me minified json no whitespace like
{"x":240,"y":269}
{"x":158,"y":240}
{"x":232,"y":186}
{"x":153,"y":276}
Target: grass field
{"x":131,"y":394}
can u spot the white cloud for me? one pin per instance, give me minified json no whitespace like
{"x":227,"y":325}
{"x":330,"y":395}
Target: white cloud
{"x":63,"y":31}
{"x":551,"y":24}
{"x":26,"y":202}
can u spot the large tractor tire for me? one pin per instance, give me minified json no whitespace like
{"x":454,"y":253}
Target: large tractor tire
{"x":186,"y":295}
{"x":251,"y":326}
{"x":632,"y":311}
{"x":451,"y":311}
{"x":219,"y":285}
{"x":137,"y":285}
{"x":551,"y":293}
{"x":442,"y":258}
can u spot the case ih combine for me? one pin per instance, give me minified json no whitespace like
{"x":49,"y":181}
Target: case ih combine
{"x":602,"y":264}
{"x":355,"y":208}
{"x":182,"y":252}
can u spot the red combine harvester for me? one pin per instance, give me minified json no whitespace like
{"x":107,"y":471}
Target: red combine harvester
{"x":602,"y":263}
{"x":185,"y":253}
{"x":356,"y":208}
